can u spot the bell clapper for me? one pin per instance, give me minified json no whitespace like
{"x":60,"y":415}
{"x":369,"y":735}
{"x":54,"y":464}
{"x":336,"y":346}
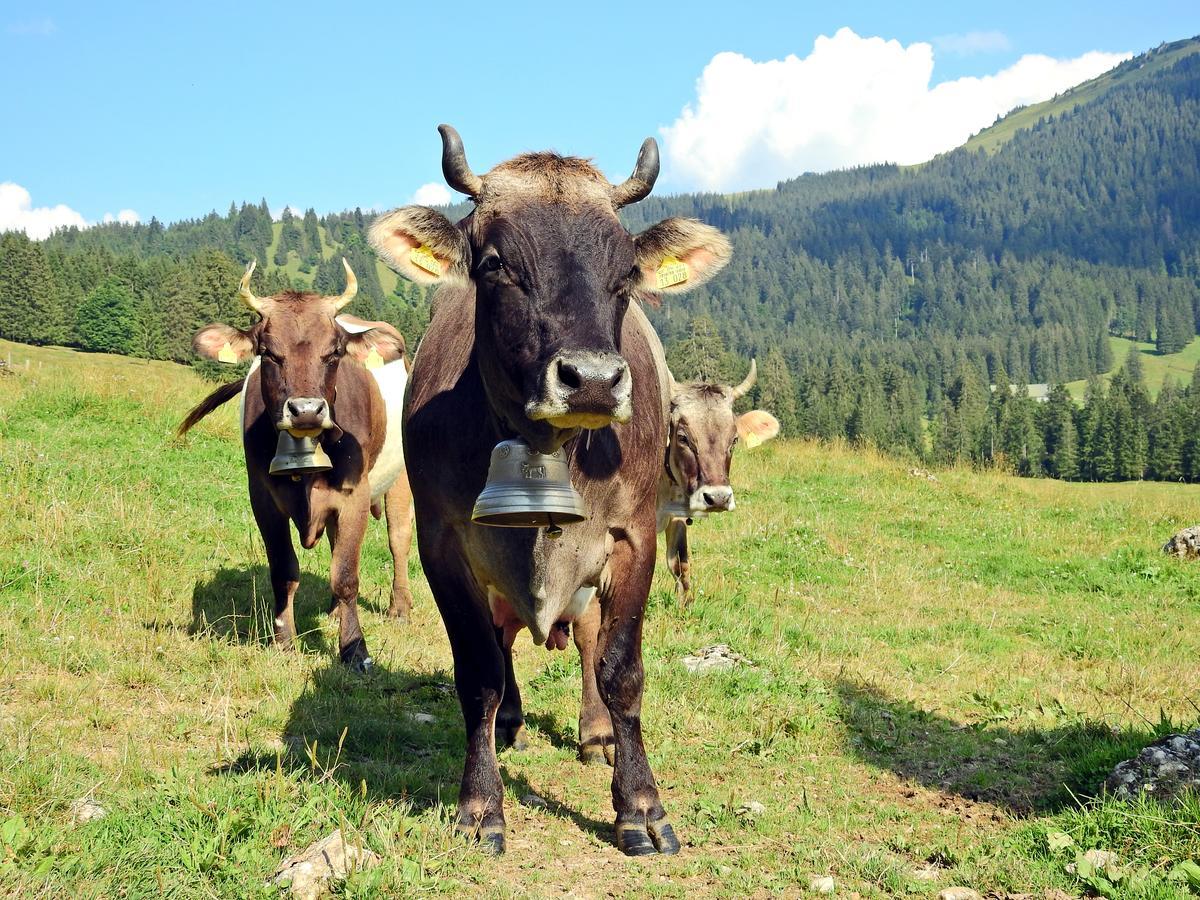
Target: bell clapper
{"x":553,"y":531}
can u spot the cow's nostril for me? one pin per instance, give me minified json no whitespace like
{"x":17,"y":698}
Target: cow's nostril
{"x":569,"y":376}
{"x":709,"y":500}
{"x":616,"y":379}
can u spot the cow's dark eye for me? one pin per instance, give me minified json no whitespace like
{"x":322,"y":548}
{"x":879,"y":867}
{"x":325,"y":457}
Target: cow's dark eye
{"x":683,"y":438}
{"x":270,"y":357}
{"x":489,"y":264}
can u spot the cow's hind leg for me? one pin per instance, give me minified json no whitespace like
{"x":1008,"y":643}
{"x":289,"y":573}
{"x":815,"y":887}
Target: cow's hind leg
{"x":510,"y":718}
{"x":641,"y":827}
{"x":398,"y":505}
{"x":285,"y":568}
{"x":595,"y":727}
{"x":346,"y":537}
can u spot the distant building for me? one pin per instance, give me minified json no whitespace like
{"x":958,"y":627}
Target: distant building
{"x":1039,"y":392}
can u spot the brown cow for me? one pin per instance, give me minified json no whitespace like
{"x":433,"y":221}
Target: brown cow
{"x":529,"y":338}
{"x":695,"y":481}
{"x":309,"y":378}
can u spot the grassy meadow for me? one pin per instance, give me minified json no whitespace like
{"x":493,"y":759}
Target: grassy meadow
{"x":944,"y":670}
{"x":1157,"y":367}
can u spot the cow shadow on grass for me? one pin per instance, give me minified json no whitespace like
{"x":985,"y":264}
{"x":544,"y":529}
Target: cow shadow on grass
{"x":237,"y":605}
{"x":1028,"y":771}
{"x":392,"y":734}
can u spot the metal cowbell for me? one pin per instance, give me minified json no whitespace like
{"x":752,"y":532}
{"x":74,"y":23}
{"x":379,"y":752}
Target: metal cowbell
{"x":528,"y":489}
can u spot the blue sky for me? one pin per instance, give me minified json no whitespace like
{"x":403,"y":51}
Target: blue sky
{"x":172,"y":110}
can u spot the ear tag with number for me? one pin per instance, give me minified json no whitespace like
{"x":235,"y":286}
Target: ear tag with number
{"x":226,"y":354}
{"x":671,"y":271}
{"x":422,"y":257}
{"x":374,"y":359}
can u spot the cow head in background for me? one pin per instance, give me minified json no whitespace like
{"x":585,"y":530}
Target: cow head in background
{"x":703,"y":433}
{"x":300,"y":346}
{"x":553,"y":272}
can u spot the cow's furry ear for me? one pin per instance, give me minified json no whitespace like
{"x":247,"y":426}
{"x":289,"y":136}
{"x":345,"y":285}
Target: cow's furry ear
{"x":678,"y":255}
{"x":224,"y":343}
{"x":387,"y":342}
{"x":422,"y":245}
{"x":757,"y":427}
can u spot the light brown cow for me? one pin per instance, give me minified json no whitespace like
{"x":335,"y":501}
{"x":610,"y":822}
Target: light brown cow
{"x":310,"y":378}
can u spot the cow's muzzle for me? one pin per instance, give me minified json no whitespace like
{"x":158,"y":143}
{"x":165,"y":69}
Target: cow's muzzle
{"x":712,"y":498}
{"x":305,"y":416}
{"x":583,"y":389}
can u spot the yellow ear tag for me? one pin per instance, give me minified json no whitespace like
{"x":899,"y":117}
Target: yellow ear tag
{"x":374,"y":359}
{"x":671,"y":272}
{"x":422,"y":257}
{"x":226,"y":354}
{"x":753,"y":440}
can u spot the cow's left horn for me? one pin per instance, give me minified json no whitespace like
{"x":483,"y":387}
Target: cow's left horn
{"x":741,"y":389}
{"x":245,"y":294}
{"x":351,"y":287}
{"x":641,"y":182}
{"x":454,"y":164}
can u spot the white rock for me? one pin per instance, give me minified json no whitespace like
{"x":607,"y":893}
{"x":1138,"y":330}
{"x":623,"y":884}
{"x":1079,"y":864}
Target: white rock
{"x":307,"y":874}
{"x":85,"y":809}
{"x":718,"y":656}
{"x":1102,"y":859}
{"x":751,"y":808}
{"x":822,"y":884}
{"x":958,"y":893}
{"x":422,"y":718}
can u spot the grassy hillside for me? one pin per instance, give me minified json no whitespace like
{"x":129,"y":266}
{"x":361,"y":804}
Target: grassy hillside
{"x":1132,"y":71}
{"x":943,"y":671}
{"x":1157,"y":368}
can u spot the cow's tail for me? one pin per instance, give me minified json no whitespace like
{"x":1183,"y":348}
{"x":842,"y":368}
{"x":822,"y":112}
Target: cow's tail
{"x":223,"y":394}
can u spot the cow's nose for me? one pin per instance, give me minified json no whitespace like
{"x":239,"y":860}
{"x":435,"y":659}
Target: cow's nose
{"x":720,"y":497}
{"x":589,"y":382}
{"x":310,"y":412}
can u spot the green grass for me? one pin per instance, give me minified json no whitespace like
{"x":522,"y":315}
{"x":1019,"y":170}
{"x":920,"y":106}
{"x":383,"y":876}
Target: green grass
{"x":994,"y":137}
{"x":945,"y":671}
{"x":1156,"y":367}
{"x":387,"y":278}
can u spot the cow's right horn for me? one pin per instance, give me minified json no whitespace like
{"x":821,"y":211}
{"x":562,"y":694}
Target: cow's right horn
{"x":741,"y":389}
{"x":641,"y":182}
{"x":454,"y":164}
{"x":245,"y":294}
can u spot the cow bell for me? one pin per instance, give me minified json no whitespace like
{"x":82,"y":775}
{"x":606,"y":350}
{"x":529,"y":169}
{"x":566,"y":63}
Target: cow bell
{"x":528,"y":489}
{"x":298,"y":456}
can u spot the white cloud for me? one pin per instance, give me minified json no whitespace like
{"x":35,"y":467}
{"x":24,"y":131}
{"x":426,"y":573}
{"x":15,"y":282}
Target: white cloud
{"x":32,"y":28}
{"x":125,"y":217}
{"x":973,"y":42}
{"x":17,"y":213}
{"x":852,"y":101}
{"x":432,"y":194}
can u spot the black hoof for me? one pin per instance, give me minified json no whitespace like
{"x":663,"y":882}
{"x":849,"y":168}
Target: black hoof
{"x":599,"y":751}
{"x":643,"y":838}
{"x":489,"y":837}
{"x":512,"y":734}
{"x":355,"y":657}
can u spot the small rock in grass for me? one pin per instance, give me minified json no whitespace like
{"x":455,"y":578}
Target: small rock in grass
{"x":718,"y":656}
{"x":307,"y":874}
{"x":422,"y":718}
{"x":533,"y":801}
{"x":1166,"y":769}
{"x":1184,"y":544}
{"x":958,"y":893}
{"x":85,"y":809}
{"x":822,"y":884}
{"x":751,"y":809}
{"x":926,"y":873}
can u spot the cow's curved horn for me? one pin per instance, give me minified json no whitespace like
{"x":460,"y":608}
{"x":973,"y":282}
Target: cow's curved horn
{"x":641,"y":182}
{"x":454,"y":164}
{"x":741,"y":389}
{"x":245,"y":294}
{"x":351,"y":287}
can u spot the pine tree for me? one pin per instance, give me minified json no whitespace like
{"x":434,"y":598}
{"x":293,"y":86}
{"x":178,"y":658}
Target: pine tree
{"x":777,"y":392}
{"x":107,"y":319}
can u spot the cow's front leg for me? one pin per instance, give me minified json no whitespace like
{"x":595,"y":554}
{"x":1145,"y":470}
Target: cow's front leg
{"x":510,"y":718}
{"x":479,"y":679}
{"x":346,"y":537}
{"x":642,"y":827}
{"x":678,"y":560}
{"x":281,"y":560}
{"x":595,"y":727}
{"x":398,"y":506}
